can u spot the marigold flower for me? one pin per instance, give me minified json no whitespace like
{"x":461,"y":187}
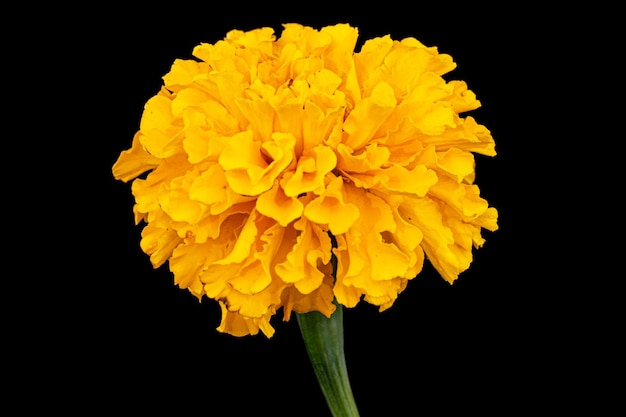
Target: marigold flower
{"x":266,"y":156}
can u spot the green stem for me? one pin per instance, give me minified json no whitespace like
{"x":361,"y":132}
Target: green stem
{"x":323,"y":338}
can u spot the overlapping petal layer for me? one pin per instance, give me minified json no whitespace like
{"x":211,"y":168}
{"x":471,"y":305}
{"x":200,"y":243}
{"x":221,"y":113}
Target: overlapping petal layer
{"x":265,"y":159}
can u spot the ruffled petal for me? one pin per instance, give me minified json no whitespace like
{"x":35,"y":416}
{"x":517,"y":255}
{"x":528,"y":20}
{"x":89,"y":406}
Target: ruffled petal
{"x":243,"y":244}
{"x":174,"y":199}
{"x":338,"y":54}
{"x":463,"y":99}
{"x":371,"y":158}
{"x":368,"y":115}
{"x":459,"y":164}
{"x":306,"y":263}
{"x":161,"y":132}
{"x":467,"y":135}
{"x":207,"y":127}
{"x":438,"y":239}
{"x":260,"y":115}
{"x":187,"y":262}
{"x":239,"y":325}
{"x":416,"y":181}
{"x":251,"y":166}
{"x":146,"y":191}
{"x":159,"y":243}
{"x":276,"y":204}
{"x":310,"y":172}
{"x":243,"y":279}
{"x":184,"y":73}
{"x":320,"y":299}
{"x":372,"y":237}
{"x":331,"y":209}
{"x":134,"y":162}
{"x":211,"y":188}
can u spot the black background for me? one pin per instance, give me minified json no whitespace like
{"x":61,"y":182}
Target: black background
{"x":125,"y":339}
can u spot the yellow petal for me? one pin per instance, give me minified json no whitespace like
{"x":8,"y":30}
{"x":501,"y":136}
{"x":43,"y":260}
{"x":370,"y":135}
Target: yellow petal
{"x":158,"y":243}
{"x":304,"y":264}
{"x":256,"y":305}
{"x":243,"y":245}
{"x":174,"y":200}
{"x":372,"y":237}
{"x":346,"y":295}
{"x":389,"y":292}
{"x":214,"y":226}
{"x":251,"y":279}
{"x":320,"y":300}
{"x":134,"y":162}
{"x":243,"y":159}
{"x":371,"y":158}
{"x":330,"y":208}
{"x":258,"y":40}
{"x":187,"y":99}
{"x":429,"y":88}
{"x":200,"y":143}
{"x":272,"y":245}
{"x":434,"y":119}
{"x":276,"y":204}
{"x":463,"y":99}
{"x":211,"y":188}
{"x":235,"y":267}
{"x":368,"y":115}
{"x":184,"y":72}
{"x":289,"y":118}
{"x":238,"y":325}
{"x":160,"y":131}
{"x":226,"y":87}
{"x":260,"y":115}
{"x":438,"y":63}
{"x":458,"y":163}
{"x":372,"y":54}
{"x":188,"y":260}
{"x":467,"y":135}
{"x":414,"y":181}
{"x":206,"y":127}
{"x":321,"y":125}
{"x":438,"y":240}
{"x":488,"y":220}
{"x":304,"y":38}
{"x":338,"y":54}
{"x":146,"y":191}
{"x":324,"y":82}
{"x":464,"y":198}
{"x":310,"y":171}
{"x":407,"y":236}
{"x":383,"y":292}
{"x":220,"y":56}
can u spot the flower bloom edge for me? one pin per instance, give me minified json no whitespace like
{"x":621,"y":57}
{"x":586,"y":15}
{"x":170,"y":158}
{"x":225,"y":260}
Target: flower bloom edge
{"x":265,"y":156}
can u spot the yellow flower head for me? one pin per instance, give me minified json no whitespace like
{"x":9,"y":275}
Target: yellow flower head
{"x":266,"y":157}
